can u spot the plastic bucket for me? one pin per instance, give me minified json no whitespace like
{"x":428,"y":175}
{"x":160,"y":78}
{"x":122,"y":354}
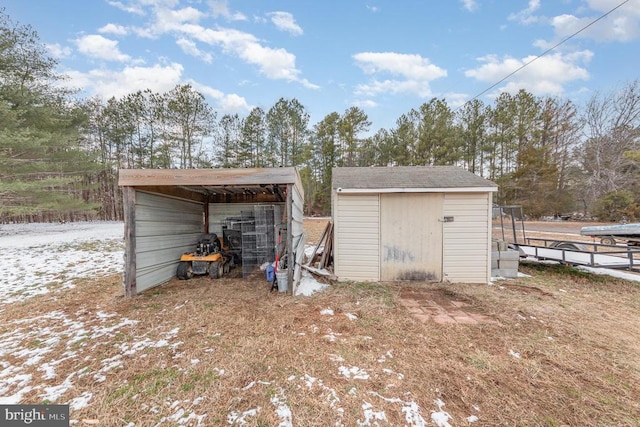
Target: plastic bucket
{"x":270,"y":273}
{"x":281,"y":276}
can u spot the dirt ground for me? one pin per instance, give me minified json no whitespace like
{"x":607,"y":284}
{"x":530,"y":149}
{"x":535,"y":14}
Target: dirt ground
{"x":556,"y":348}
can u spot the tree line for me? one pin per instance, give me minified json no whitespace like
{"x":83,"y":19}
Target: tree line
{"x":60,"y":154}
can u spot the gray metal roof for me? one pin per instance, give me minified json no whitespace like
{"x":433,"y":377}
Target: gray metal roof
{"x":406,"y":177}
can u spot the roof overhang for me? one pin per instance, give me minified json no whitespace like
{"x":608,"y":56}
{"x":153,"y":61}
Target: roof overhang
{"x":416,"y":190}
{"x":246,"y":184}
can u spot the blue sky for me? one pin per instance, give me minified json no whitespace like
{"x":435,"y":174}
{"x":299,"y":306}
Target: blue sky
{"x":383,"y":56}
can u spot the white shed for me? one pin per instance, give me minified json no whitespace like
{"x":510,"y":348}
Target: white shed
{"x":426,"y":223}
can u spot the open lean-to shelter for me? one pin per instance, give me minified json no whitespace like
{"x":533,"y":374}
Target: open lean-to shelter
{"x":426,"y":223}
{"x":166,"y":212}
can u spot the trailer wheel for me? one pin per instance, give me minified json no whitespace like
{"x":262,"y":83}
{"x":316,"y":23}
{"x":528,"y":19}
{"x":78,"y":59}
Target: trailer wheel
{"x":185,"y":271}
{"x":608,"y":240}
{"x":216,"y":270}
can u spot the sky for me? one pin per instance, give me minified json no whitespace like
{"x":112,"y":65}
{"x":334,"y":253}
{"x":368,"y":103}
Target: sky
{"x":385,"y":57}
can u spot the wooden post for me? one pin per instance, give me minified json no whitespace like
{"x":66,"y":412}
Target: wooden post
{"x":206,"y":216}
{"x":129,"y":208}
{"x":291,"y":260}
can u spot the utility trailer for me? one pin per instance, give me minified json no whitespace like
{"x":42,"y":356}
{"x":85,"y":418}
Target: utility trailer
{"x":601,"y":255}
{"x":612,"y":234}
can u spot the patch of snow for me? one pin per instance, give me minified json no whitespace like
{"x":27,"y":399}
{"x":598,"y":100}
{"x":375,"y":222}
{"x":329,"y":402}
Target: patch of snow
{"x":514,"y":354}
{"x":371,"y":415}
{"x":390,"y":372}
{"x":81,"y":402}
{"x":412,"y":416}
{"x":351,"y":316}
{"x":383,"y":358}
{"x":336,"y":358}
{"x":354,"y":372}
{"x":326,"y":312}
{"x":240,"y":418}
{"x":45,"y":269}
{"x":440,"y":418}
{"x":330,"y":337}
{"x":472,"y":418}
{"x":308,"y":285}
{"x":283,"y":411}
{"x":613,"y":273}
{"x":53,"y":393}
{"x":411,"y":410}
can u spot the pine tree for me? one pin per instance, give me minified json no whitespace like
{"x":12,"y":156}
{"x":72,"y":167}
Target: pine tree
{"x":42,"y":164}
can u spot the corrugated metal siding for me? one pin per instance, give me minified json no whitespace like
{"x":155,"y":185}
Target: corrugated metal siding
{"x":165,"y":229}
{"x":357,"y":237}
{"x":466,"y":254}
{"x":297,"y":216}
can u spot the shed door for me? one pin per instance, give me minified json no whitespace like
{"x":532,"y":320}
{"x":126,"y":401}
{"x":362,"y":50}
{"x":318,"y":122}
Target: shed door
{"x":411,"y":236}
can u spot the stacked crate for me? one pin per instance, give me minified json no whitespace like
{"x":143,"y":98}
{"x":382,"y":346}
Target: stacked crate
{"x":504,"y":261}
{"x":265,"y":243}
{"x":249,"y":242}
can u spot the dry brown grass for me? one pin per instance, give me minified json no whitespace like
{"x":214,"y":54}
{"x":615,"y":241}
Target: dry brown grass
{"x":577,"y":336}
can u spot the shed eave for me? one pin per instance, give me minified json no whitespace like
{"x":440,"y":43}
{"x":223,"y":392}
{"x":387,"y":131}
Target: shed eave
{"x":417,"y":190}
{"x":198,"y":177}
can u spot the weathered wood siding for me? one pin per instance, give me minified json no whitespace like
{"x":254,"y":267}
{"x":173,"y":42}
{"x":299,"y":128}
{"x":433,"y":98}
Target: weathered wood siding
{"x":411,"y":236}
{"x":467,"y":240}
{"x":357,"y":237}
{"x":165,"y":229}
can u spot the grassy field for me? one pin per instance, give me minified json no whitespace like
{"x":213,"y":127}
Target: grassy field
{"x":562,"y":349}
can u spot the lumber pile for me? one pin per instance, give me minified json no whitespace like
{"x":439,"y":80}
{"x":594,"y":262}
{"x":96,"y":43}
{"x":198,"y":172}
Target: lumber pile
{"x":322,"y":255}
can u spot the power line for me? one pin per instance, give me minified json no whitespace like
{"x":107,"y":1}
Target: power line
{"x":545,"y":52}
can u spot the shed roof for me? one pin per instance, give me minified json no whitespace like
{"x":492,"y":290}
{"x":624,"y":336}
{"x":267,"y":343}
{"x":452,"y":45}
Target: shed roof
{"x":224,"y":182}
{"x":409,"y":177}
{"x":215,"y":177}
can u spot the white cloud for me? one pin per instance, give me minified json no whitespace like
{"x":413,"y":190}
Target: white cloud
{"x":273,"y":63}
{"x":526,"y":16}
{"x":285,"y":21}
{"x":227,"y":103}
{"x":190,"y":48}
{"x":114,"y":29}
{"x":470,"y":5}
{"x":373,"y":9}
{"x":415,"y":72}
{"x":546,"y":75}
{"x":365,"y":103}
{"x":130,"y":8}
{"x":169,"y":20}
{"x":455,"y":100}
{"x":622,"y":25}
{"x":221,"y":8}
{"x":58,"y":51}
{"x":97,"y":46}
{"x":118,"y":83}
{"x":277,"y":64}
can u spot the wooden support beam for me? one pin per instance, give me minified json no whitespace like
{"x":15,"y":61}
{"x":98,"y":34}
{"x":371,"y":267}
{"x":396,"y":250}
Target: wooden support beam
{"x":129,"y":198}
{"x":179,"y":192}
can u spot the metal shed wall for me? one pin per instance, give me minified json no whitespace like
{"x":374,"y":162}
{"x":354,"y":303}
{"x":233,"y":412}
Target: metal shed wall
{"x":467,"y":240}
{"x":165,"y":228}
{"x":357,"y":237}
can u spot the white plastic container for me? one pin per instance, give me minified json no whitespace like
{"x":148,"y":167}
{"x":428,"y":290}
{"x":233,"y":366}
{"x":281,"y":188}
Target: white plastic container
{"x":281,"y":277}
